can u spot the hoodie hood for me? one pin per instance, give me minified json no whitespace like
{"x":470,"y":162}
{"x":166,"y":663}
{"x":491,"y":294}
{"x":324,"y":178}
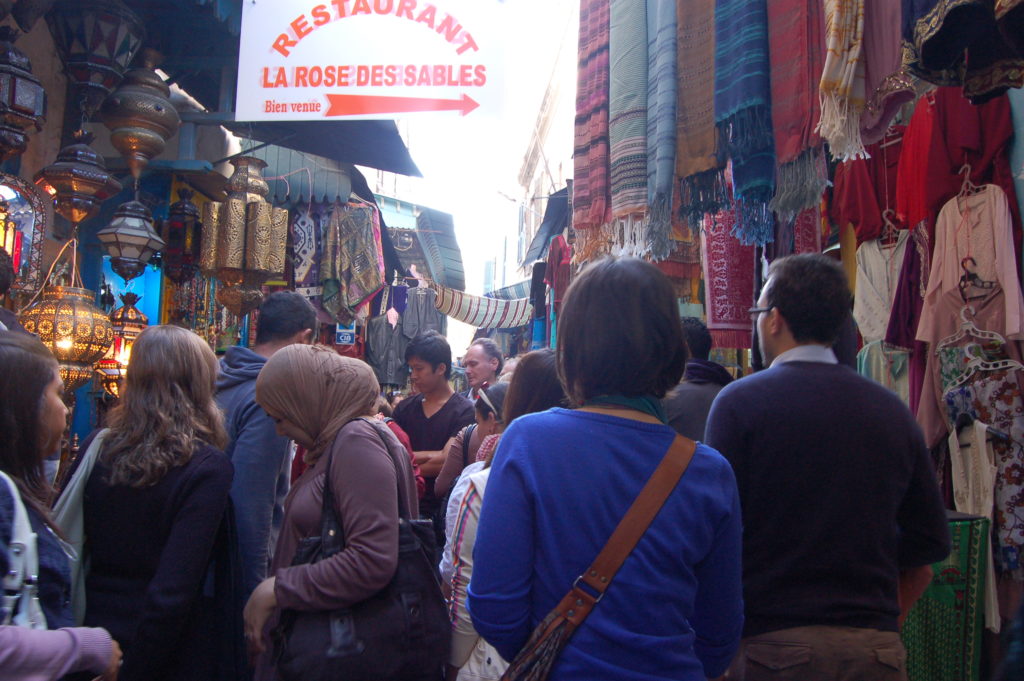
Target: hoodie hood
{"x":238,"y":365}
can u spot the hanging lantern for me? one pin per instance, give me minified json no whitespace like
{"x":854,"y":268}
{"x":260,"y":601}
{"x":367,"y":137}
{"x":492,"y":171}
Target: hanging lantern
{"x":181,"y":234}
{"x":10,"y":235}
{"x":140,"y":117}
{"x":244,"y":238}
{"x":97,"y":39}
{"x":78,"y":181}
{"x":22,"y":98}
{"x":127,"y":322}
{"x":130,"y":240}
{"x":77,"y":332}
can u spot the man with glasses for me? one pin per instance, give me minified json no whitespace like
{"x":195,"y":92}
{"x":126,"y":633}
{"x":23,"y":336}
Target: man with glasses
{"x":842,"y":516}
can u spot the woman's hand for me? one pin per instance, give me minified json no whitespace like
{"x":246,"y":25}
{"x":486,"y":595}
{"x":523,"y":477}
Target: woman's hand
{"x":114,"y":666}
{"x":257,"y":611}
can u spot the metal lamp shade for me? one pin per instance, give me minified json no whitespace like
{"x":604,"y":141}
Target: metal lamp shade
{"x":22,"y":98}
{"x":78,"y":180}
{"x":130,"y":240}
{"x":181,"y":232}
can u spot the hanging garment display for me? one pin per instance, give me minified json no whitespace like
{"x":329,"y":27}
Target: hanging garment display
{"x":385,"y":350}
{"x":421,"y":313}
{"x":886,"y":366}
{"x":886,"y":85}
{"x":878,"y":268}
{"x":481,"y":312}
{"x":558,"y":269}
{"x":842,"y":81}
{"x":729,"y":282}
{"x":906,"y":311}
{"x":798,"y":234}
{"x":865,"y":188}
{"x":627,"y":109}
{"x":661,"y":124}
{"x":591,"y":201}
{"x":349,"y":270}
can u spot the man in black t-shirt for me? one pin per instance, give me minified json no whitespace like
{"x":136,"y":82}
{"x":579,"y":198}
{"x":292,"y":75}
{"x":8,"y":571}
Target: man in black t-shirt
{"x":433,"y":416}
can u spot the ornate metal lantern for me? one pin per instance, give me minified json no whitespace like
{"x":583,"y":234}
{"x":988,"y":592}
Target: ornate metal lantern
{"x":22,"y":98}
{"x":10,"y":237}
{"x":128,"y":322}
{"x":244,"y":238}
{"x":97,"y":39}
{"x":181,"y":233}
{"x":78,"y":180}
{"x":140,"y":117}
{"x":130,"y":240}
{"x":77,"y":332}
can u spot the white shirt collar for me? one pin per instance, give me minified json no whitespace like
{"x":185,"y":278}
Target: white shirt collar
{"x":810,"y":352}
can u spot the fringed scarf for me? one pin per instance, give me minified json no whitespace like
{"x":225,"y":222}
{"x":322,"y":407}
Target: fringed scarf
{"x":702,"y":184}
{"x":661,"y":124}
{"x":743,"y":112}
{"x":842,"y":82}
{"x":591,"y":200}
{"x":886,"y":85}
{"x":796,"y":42}
{"x":728,"y":281}
{"x":627,"y":108}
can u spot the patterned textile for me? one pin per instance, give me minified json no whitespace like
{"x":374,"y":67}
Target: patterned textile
{"x":1010,"y":19}
{"x":483,"y":313}
{"x":942,"y":633}
{"x":728,"y":281}
{"x":591,"y":201}
{"x":661,"y":123}
{"x":702,"y":184}
{"x":798,"y":234}
{"x":743,"y":112}
{"x":842,"y":82}
{"x":627,"y":108}
{"x":796,"y":44}
{"x":349,"y":270}
{"x":960,"y":42}
{"x":887,"y":87}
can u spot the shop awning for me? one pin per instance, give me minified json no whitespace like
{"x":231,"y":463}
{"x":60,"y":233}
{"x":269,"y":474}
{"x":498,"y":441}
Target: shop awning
{"x":481,"y":312}
{"x":556,"y":218}
{"x":436,"y":233}
{"x":296,"y":177}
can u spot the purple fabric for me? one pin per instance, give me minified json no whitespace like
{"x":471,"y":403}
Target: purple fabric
{"x":906,"y":313}
{"x":34,"y":655}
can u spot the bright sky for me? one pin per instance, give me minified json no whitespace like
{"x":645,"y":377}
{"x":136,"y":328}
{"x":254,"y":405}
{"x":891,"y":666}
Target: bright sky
{"x":471,"y":164}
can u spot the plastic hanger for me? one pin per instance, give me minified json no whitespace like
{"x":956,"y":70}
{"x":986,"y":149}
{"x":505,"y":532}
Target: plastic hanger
{"x":970,"y":279}
{"x":890,"y":235}
{"x":975,"y":362}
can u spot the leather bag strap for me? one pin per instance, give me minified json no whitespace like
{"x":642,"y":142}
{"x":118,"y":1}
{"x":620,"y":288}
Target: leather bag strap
{"x":578,"y":603}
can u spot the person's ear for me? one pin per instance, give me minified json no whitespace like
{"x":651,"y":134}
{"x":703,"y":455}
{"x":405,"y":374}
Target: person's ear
{"x":306,"y":336}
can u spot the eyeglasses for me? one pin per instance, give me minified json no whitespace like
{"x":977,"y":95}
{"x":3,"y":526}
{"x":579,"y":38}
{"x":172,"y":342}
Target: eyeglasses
{"x":755,"y":311}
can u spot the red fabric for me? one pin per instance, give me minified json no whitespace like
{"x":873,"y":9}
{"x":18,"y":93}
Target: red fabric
{"x":859,"y":196}
{"x":421,"y":484}
{"x":807,"y":231}
{"x":556,"y":275}
{"x":298,"y":465}
{"x":728,"y":281}
{"x":796,"y":46}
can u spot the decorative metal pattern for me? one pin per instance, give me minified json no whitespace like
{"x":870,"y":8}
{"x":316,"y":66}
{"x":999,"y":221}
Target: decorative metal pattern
{"x":22,"y":98}
{"x":78,"y":180}
{"x":140,"y":117}
{"x":181,"y":232}
{"x":27,"y":212}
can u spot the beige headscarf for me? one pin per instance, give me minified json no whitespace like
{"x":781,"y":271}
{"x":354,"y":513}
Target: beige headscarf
{"x":316,"y":389}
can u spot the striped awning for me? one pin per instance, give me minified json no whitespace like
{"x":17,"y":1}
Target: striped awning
{"x":511,"y":292}
{"x":481,"y":312}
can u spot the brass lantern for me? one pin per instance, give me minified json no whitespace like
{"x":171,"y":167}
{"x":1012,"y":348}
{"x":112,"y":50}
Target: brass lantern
{"x":140,"y":117}
{"x":128,"y":322}
{"x":22,"y":98}
{"x":78,"y":181}
{"x":77,"y":332}
{"x":130,"y":240}
{"x":244,"y":238}
{"x":181,"y":233}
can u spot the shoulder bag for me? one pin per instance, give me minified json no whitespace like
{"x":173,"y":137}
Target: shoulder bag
{"x":401,"y":632}
{"x":535,"y":660}
{"x":21,"y":582}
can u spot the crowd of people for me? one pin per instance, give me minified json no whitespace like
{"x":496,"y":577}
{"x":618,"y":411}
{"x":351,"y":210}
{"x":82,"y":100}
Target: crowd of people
{"x":799,"y":535}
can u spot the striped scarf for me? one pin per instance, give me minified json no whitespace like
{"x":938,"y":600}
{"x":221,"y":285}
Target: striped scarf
{"x":481,"y":312}
{"x":743,"y":112}
{"x":661,"y":123}
{"x":842,"y":82}
{"x":591,"y":201}
{"x":627,"y":123}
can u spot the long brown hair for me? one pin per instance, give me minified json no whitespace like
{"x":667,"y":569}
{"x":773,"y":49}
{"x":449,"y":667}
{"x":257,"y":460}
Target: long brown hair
{"x":28,"y":367}
{"x":167,"y":407}
{"x":534,"y":386}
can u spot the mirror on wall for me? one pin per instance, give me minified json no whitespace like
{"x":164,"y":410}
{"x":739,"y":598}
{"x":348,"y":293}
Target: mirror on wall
{"x":22,"y":231}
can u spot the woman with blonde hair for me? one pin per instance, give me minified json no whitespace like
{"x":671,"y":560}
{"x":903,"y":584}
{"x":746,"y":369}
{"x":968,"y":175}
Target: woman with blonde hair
{"x":155,"y":512}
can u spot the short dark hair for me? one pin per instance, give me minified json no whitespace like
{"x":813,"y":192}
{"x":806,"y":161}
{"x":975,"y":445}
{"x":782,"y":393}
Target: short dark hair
{"x":432,"y":348}
{"x":698,"y":338}
{"x":496,"y":394}
{"x":284,"y":314}
{"x":492,"y":350}
{"x":534,"y":386}
{"x":619,"y":332}
{"x":812,"y":294}
{"x":7,"y":272}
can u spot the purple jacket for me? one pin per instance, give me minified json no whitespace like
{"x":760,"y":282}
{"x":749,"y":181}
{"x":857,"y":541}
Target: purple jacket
{"x":46,"y":655}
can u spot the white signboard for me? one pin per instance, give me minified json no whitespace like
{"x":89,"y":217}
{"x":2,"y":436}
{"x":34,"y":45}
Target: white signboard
{"x":331,"y":59}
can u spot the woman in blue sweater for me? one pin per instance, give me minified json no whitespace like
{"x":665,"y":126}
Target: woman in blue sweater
{"x":563,"y":479}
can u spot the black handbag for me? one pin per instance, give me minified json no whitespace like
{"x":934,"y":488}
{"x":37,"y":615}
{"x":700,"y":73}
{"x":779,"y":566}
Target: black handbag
{"x":401,"y":632}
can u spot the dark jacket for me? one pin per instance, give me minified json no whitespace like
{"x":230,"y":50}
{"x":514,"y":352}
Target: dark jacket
{"x":688,"y":404}
{"x":260,"y":458}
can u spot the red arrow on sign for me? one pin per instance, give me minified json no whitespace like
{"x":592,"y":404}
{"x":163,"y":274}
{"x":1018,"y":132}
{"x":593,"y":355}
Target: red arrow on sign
{"x":357,"y":105}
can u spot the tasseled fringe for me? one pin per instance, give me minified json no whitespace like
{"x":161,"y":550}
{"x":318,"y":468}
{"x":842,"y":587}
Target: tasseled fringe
{"x":659,"y":226}
{"x":627,"y":236}
{"x":538,"y":656}
{"x":840,"y":126}
{"x":747,"y":131}
{"x":703,"y":193}
{"x":799,"y":184}
{"x":755,"y":223}
{"x":725,"y":338}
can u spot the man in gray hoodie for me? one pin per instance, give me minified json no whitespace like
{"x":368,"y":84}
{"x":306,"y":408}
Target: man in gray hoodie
{"x":258,"y":453}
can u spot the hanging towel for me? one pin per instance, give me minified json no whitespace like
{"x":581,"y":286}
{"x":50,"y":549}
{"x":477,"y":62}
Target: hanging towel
{"x":702,"y":184}
{"x":743,"y":112}
{"x":591,"y":201}
{"x":661,"y":123}
{"x":627,"y":108}
{"x":842,"y":82}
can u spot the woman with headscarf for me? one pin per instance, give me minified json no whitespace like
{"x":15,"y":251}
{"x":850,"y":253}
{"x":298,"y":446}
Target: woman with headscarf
{"x":326,"y":403}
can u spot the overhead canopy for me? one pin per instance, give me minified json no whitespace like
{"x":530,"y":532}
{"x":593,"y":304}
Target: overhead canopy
{"x":436,"y":233}
{"x":556,"y":217}
{"x":297,"y":177}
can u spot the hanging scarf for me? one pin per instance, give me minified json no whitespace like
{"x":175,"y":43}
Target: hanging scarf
{"x":661,"y":123}
{"x":591,"y":201}
{"x":351,"y":270}
{"x":728,"y":281}
{"x":743,"y":112}
{"x":887,"y":85}
{"x":482,"y":312}
{"x":647,"y":404}
{"x":627,"y":108}
{"x":702,"y":184}
{"x":842,"y":82}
